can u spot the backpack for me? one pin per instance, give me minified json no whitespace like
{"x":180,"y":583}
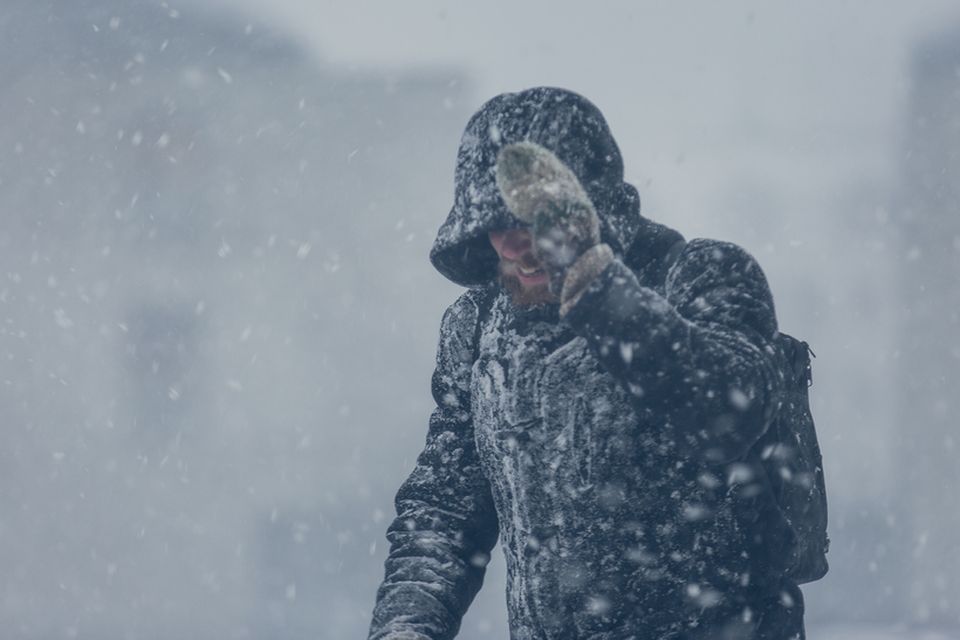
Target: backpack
{"x":794,"y":527}
{"x":790,"y":456}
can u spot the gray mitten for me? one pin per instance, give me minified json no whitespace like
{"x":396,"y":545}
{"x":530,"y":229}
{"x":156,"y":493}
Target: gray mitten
{"x":541,"y":190}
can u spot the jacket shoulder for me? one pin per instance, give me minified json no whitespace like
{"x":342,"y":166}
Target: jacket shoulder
{"x":714,"y":278}
{"x":705,"y":258}
{"x":652,"y":251}
{"x":457,"y":348}
{"x":463,"y":316}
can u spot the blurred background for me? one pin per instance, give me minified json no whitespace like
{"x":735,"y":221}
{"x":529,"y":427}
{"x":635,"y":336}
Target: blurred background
{"x":218,"y":320}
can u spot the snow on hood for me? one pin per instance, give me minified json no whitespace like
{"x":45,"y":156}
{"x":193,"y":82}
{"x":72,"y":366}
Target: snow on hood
{"x":571,"y":127}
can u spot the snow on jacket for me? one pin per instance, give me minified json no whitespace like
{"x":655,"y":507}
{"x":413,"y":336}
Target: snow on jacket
{"x":602,"y":448}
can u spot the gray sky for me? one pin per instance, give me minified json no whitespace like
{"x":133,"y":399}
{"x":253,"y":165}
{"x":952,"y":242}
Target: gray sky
{"x":694,"y":91}
{"x":710,"y":61}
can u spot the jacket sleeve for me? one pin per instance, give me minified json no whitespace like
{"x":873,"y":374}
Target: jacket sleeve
{"x":446,"y":524}
{"x":701,"y":358}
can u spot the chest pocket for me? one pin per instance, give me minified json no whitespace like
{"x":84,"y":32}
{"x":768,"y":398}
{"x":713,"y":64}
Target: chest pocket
{"x":593,"y":410}
{"x":568,"y":399}
{"x":507,"y":402}
{"x":541,"y":411}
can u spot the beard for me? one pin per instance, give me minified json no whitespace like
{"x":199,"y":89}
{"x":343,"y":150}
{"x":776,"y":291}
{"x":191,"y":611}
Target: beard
{"x":525,"y":296}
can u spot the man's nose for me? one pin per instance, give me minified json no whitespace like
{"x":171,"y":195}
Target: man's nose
{"x":516,"y":244}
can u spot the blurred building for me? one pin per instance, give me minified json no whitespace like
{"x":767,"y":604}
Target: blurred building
{"x":928,"y":224}
{"x":209,"y":246}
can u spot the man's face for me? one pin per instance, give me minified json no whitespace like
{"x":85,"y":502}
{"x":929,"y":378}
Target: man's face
{"x":520,"y":270}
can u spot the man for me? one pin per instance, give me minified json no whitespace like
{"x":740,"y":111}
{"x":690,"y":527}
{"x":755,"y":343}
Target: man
{"x":597,"y":388}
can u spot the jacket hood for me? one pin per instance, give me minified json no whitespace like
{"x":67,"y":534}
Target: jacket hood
{"x":564,"y":122}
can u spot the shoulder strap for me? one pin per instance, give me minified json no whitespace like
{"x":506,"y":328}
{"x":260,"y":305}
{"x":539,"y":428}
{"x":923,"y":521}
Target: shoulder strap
{"x":484,"y":297}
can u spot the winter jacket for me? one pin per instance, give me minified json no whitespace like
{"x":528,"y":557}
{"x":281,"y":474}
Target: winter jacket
{"x":604,"y":447}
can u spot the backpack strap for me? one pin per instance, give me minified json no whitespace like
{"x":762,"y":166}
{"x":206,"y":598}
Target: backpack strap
{"x":483,"y":296}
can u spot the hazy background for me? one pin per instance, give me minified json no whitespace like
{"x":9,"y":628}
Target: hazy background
{"x":218,"y":321}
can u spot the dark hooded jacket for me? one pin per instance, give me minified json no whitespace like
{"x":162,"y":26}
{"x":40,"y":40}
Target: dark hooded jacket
{"x":604,"y":448}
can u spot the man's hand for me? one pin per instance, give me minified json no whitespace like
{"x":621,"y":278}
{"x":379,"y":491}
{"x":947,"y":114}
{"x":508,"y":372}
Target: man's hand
{"x":541,"y":190}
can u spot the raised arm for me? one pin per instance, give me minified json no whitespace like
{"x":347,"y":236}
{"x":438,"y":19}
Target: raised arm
{"x":446,"y":524}
{"x":702,"y":357}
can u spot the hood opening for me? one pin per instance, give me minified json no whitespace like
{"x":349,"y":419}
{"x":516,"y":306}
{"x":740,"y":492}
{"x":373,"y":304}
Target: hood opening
{"x":564,"y":122}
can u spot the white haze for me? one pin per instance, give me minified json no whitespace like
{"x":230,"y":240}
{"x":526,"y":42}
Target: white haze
{"x":218,"y":321}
